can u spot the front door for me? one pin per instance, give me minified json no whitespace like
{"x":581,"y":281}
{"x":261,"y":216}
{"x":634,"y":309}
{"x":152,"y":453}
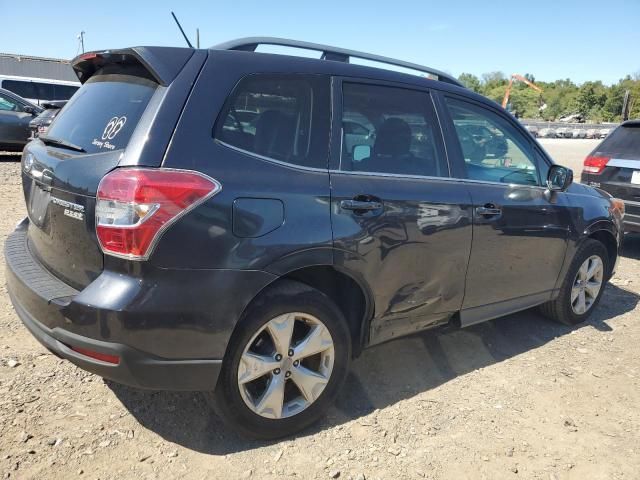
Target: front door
{"x":519,"y":231}
{"x":401,"y":225}
{"x":14,"y":122}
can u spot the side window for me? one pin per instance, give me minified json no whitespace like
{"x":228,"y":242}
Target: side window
{"x":24,"y":89}
{"x":543,"y":167}
{"x":390,"y":130}
{"x":493,"y":150}
{"x":283,"y":117}
{"x":6,"y":104}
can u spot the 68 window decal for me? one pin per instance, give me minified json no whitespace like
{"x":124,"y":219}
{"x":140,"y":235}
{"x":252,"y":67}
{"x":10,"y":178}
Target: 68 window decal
{"x":113,"y":127}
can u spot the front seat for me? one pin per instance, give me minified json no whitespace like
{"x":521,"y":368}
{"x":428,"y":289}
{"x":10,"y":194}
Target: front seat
{"x":391,"y":150}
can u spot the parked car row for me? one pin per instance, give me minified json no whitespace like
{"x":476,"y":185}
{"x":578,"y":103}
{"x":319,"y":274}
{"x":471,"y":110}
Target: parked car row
{"x":614,"y":166}
{"x":21,"y":120}
{"x":15,"y":115}
{"x":41,"y":123}
{"x":567,"y":132}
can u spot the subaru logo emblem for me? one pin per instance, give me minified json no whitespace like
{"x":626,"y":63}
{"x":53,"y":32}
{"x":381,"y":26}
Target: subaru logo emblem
{"x":28,"y":162}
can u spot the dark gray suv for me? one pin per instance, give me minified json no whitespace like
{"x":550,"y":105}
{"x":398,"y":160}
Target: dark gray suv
{"x":245,"y":224}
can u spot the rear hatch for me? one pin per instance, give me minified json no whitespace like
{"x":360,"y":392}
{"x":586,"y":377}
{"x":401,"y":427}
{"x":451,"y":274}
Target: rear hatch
{"x":621,"y":173}
{"x":91,"y":136}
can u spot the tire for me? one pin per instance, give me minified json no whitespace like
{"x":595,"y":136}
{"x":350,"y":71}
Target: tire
{"x":239,"y":404}
{"x":562,"y":309}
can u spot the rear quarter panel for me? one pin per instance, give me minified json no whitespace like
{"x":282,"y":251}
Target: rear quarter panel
{"x":590,"y":212}
{"x":205,"y":238}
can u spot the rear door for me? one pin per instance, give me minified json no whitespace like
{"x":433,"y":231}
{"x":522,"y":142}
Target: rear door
{"x":519,"y":232}
{"x":400,"y":224}
{"x":106,"y":124}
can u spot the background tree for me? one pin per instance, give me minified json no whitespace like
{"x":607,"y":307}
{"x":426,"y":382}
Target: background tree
{"x":471,"y":82}
{"x":595,"y":101}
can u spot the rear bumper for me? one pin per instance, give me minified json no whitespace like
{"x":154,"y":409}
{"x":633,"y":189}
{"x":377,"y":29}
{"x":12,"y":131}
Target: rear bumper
{"x":625,"y":191}
{"x":632,"y":217}
{"x":135,"y":368}
{"x":169,"y":329}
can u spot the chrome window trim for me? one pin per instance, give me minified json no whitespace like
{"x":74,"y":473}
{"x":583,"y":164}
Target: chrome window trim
{"x":624,"y":163}
{"x":444,"y":140}
{"x":426,"y":177}
{"x":269,"y":159}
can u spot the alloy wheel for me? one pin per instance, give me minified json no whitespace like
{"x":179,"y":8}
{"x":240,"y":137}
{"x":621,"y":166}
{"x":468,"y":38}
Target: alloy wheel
{"x":587,"y":284}
{"x":286,"y":365}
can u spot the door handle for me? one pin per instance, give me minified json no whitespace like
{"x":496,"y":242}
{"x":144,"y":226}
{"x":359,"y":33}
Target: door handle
{"x":488,"y":210}
{"x":360,"y":205}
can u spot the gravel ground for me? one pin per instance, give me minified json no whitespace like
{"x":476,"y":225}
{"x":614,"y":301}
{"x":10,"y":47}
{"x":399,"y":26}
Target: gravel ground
{"x":518,"y":397}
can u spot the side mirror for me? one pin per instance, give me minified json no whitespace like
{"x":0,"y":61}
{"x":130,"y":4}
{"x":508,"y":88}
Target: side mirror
{"x":29,"y":109}
{"x":559,"y":178}
{"x":360,"y":152}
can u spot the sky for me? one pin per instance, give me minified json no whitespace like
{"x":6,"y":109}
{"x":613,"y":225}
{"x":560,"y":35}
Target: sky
{"x":580,"y":40}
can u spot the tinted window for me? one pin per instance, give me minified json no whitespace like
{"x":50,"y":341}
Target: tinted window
{"x":390,"y":130}
{"x":63,"y":92}
{"x":623,"y":140}
{"x":281,"y":117}
{"x":493,"y":150}
{"x":39,"y":90}
{"x":7,"y":104}
{"x":49,"y":113}
{"x":24,"y":89}
{"x":104,"y":113}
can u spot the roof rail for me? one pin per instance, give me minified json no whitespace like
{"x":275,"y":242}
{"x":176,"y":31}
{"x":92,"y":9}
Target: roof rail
{"x":249,"y":44}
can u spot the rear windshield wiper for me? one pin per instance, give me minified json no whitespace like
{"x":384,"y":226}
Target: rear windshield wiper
{"x":58,"y":142}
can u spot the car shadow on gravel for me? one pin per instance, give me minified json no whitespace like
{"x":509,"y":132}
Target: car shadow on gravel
{"x":382,"y":376}
{"x":10,"y":156}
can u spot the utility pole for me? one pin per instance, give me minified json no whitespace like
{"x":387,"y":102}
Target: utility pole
{"x":626,"y":106}
{"x":81,"y":38}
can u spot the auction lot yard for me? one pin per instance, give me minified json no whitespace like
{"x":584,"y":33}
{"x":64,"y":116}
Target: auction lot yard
{"x":517,"y":397}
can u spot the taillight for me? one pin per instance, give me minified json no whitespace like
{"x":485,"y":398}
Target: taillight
{"x":136,"y":205}
{"x":595,"y":165}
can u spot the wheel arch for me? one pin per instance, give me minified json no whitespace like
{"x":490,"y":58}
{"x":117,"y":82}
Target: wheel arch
{"x":348,"y":293}
{"x":609,"y":241}
{"x":605,"y":233}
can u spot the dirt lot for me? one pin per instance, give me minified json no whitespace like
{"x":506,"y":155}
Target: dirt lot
{"x":519,"y":397}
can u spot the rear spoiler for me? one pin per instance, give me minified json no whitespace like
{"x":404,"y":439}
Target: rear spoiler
{"x":162,"y":63}
{"x":54,"y":104}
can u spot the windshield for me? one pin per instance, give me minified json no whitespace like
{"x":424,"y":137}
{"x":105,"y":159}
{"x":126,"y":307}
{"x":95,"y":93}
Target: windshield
{"x":103,"y":114}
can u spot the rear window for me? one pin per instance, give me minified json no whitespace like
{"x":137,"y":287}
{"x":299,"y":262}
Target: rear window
{"x":282,"y":117}
{"x":623,"y":140}
{"x":102,"y":116}
{"x":50,"y":113}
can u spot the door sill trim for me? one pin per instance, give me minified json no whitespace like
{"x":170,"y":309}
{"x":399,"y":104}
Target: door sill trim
{"x":471,"y":316}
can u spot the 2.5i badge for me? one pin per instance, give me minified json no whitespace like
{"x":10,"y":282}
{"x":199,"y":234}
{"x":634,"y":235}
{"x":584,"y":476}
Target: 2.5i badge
{"x":71,"y":209}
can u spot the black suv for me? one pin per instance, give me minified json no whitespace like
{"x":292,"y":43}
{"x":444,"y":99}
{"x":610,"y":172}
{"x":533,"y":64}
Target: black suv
{"x":199,"y":221}
{"x":614,"y":166}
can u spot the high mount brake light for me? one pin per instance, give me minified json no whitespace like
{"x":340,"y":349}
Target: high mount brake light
{"x":595,"y":165}
{"x":88,"y":56}
{"x":134,"y":206}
